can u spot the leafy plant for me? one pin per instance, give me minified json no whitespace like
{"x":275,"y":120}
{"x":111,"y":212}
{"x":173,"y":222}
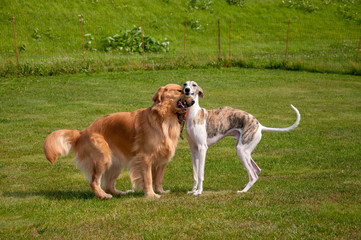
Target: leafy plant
{"x":304,"y":5}
{"x":200,"y":4}
{"x":48,"y":33}
{"x":195,"y":24}
{"x":22,"y":48}
{"x":239,"y":3}
{"x":131,"y":41}
{"x":36,"y":35}
{"x":350,"y":10}
{"x":88,"y":39}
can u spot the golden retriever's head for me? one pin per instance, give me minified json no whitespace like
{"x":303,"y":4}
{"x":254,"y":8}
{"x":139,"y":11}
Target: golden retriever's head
{"x":173,"y":96}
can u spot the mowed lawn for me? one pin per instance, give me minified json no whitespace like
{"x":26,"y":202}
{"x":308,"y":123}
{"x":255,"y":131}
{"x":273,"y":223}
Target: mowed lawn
{"x":309,"y":187}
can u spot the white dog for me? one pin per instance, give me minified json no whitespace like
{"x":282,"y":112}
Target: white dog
{"x":206,"y":127}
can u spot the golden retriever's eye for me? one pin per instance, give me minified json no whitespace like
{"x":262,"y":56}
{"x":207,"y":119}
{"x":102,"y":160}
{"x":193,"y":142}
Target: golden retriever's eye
{"x":180,"y":91}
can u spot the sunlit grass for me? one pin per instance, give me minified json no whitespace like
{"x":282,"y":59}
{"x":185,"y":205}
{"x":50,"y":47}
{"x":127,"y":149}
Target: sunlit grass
{"x":309,"y":186}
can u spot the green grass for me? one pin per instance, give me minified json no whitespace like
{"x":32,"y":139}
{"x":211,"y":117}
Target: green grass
{"x":309,"y":187}
{"x":324,"y":40}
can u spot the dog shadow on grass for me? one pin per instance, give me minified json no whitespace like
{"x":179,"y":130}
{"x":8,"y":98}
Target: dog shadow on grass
{"x":64,"y":194}
{"x":89,"y":195}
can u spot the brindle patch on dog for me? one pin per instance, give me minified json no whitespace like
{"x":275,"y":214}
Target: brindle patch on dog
{"x":200,"y":118}
{"x":222,"y":120}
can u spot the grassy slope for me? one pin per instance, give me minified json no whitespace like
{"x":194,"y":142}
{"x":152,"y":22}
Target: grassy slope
{"x":309,"y":186}
{"x":320,"y":41}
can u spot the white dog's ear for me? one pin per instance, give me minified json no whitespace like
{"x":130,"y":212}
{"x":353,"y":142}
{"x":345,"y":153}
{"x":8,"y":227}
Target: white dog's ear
{"x":200,"y":92}
{"x":157,"y":97}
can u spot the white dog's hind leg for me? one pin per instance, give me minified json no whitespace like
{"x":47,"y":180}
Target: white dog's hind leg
{"x":245,"y":158}
{"x":202,"y":150}
{"x":255,"y":167}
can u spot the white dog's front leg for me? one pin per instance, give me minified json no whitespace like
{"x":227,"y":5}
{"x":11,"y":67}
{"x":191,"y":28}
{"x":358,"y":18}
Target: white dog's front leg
{"x":195,"y":161}
{"x":202,"y":159}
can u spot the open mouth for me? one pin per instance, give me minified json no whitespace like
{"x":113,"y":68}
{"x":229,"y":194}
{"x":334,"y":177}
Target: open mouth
{"x":182,"y":105}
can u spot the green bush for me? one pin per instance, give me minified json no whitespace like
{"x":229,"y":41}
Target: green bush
{"x":350,"y":10}
{"x":131,"y":41}
{"x":239,"y":3}
{"x":200,"y":5}
{"x":304,"y":5}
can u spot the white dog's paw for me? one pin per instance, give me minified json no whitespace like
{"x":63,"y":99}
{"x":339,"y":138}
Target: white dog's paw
{"x":193,"y":191}
{"x":246,"y":187}
{"x":198,"y":192}
{"x":163,"y":191}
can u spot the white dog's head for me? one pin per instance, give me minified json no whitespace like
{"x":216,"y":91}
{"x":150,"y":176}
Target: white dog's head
{"x":191,"y":88}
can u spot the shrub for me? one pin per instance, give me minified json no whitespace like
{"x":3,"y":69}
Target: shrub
{"x":195,"y":24}
{"x":239,"y":3}
{"x":131,"y":41}
{"x":350,"y":10}
{"x":303,"y":5}
{"x":200,"y":4}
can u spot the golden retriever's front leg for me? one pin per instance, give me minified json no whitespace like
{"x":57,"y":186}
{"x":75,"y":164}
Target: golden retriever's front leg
{"x":158,"y":179}
{"x":148,"y":181}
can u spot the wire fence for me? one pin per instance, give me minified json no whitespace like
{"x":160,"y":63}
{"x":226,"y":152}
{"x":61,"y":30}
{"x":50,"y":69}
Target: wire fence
{"x":284,"y":44}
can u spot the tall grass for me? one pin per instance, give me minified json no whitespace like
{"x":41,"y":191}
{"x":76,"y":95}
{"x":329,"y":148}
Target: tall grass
{"x":323,"y":40}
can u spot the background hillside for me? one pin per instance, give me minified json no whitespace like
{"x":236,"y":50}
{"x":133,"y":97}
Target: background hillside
{"x":323,"y":35}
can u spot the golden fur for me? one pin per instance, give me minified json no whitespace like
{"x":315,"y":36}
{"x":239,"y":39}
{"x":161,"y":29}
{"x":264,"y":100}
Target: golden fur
{"x":143,"y":141}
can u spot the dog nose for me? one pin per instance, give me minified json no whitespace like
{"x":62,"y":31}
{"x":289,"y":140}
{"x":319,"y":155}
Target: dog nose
{"x":187,"y":90}
{"x":193,"y":102}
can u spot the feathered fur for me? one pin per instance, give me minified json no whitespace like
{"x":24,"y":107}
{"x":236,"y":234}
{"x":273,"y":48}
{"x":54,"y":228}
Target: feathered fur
{"x":143,"y":141}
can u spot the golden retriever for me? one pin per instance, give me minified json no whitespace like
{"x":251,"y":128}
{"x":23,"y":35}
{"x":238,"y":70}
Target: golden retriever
{"x":143,"y":141}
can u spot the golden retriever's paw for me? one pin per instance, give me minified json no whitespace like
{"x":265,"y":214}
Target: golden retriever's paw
{"x":161,"y":191}
{"x":105,"y":196}
{"x":152,"y":195}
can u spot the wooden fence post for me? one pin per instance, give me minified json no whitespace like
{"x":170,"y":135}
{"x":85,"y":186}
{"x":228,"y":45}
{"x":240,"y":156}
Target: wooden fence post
{"x":358,"y":50}
{"x":219,"y":42}
{"x":141,"y":23}
{"x":16,"y":46}
{"x":230,"y":31}
{"x":288,"y":30}
{"x":82,"y":39}
{"x":185,"y":39}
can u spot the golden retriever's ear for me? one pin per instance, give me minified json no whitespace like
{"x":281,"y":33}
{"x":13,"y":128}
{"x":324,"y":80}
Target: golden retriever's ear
{"x":157,"y":97}
{"x":200,"y":92}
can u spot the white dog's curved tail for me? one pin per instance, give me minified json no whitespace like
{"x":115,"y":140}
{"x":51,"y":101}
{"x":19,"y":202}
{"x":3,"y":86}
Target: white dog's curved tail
{"x":266,"y":129}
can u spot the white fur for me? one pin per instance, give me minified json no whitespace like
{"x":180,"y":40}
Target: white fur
{"x":64,"y":145}
{"x":199,"y":143}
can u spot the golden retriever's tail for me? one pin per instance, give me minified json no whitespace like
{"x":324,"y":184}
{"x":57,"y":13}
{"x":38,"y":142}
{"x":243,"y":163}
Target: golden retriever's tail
{"x":60,"y":142}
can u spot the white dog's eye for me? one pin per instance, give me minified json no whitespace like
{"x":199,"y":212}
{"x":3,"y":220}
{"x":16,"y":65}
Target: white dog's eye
{"x":194,"y":85}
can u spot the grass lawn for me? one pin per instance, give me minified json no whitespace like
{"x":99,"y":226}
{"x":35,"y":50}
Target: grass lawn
{"x":309,"y":187}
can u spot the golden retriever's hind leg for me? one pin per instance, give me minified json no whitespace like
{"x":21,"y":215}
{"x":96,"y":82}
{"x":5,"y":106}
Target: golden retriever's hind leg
{"x":101,"y":157}
{"x":95,"y":185}
{"x":110,"y":177}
